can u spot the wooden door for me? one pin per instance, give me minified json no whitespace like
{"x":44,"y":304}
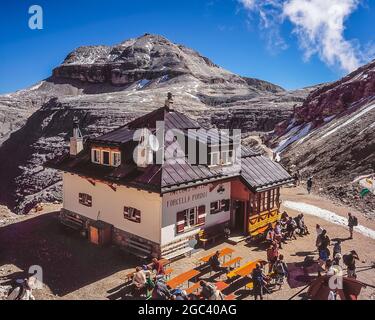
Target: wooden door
{"x":94,"y":235}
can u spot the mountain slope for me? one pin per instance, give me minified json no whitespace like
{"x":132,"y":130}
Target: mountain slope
{"x":332,"y":137}
{"x":106,"y":86}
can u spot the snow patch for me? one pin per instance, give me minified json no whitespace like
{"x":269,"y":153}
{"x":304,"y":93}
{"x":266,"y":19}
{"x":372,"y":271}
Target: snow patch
{"x":327,"y":215}
{"x":358,"y":115}
{"x":295,"y":134}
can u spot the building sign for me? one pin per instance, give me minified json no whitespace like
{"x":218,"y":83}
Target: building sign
{"x":187,"y":196}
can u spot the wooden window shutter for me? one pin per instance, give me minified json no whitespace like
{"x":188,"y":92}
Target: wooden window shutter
{"x":137,"y":216}
{"x":225,"y":204}
{"x":202,"y":215}
{"x":126,"y":213}
{"x":180,"y":227}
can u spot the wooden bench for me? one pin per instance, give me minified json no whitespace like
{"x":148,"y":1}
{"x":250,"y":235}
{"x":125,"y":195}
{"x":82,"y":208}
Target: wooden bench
{"x":222,"y":253}
{"x":138,"y":249}
{"x":210,"y":234}
{"x":168,"y":273}
{"x":71,"y":221}
{"x":219,"y":285}
{"x":184,"y":277}
{"x":236,"y":261}
{"x":179,"y":253}
{"x":245,"y":270}
{"x":195,"y":287}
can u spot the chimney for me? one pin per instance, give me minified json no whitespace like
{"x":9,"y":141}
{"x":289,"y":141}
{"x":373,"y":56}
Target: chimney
{"x":76,"y":141}
{"x":169,"y":101}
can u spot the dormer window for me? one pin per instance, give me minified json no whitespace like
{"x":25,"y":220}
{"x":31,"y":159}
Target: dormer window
{"x":116,"y":159}
{"x":106,"y":157}
{"x":226,"y":157}
{"x":214,"y":158}
{"x":217,"y":158}
{"x":95,"y":156}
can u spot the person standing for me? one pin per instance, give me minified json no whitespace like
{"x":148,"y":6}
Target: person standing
{"x":352,"y":222}
{"x":272,"y":254}
{"x":323,"y":242}
{"x":281,"y":270}
{"x":258,"y":282}
{"x":349,"y":260}
{"x":337,"y":248}
{"x":309,"y":184}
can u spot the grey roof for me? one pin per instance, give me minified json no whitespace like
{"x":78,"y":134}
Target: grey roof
{"x":255,"y":170}
{"x":260,"y":172}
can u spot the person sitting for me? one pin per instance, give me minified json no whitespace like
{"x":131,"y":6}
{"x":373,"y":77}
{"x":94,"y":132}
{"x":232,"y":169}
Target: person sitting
{"x":270,"y":235}
{"x":278,"y":236}
{"x":215,"y":263}
{"x":161,"y":291}
{"x":139,"y":281}
{"x":291,"y":227}
{"x":158,"y":267}
{"x":178,"y":294}
{"x":284,"y":215}
{"x":210,"y":292}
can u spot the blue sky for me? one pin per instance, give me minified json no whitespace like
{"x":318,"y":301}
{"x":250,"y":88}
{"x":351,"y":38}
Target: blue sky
{"x":264,"y":39}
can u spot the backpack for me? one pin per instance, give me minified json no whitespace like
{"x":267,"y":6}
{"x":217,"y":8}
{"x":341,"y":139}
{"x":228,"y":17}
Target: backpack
{"x":355,"y":221}
{"x":346,"y":259}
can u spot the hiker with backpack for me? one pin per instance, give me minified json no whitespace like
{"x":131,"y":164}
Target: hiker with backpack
{"x":349,"y":260}
{"x":352,"y":222}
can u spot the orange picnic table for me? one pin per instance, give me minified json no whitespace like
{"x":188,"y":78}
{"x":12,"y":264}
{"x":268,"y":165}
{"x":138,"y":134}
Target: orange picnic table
{"x":223,"y":253}
{"x":245,"y":270}
{"x":183,"y":277}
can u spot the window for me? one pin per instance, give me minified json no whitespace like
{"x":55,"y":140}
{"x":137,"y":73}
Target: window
{"x":219,"y":206}
{"x":226,"y":157}
{"x":105,"y":156}
{"x":116,"y":159}
{"x":215,"y":207}
{"x":190,"y":218}
{"x":95,"y":156}
{"x":85,"y":199}
{"x":132,"y":214}
{"x":214,"y":158}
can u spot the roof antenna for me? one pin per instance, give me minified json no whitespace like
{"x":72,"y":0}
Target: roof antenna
{"x":169,"y":101}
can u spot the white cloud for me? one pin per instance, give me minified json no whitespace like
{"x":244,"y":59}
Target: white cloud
{"x":318,"y":24}
{"x":248,"y":4}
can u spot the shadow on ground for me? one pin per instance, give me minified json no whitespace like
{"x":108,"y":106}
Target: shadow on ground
{"x":69,"y":262}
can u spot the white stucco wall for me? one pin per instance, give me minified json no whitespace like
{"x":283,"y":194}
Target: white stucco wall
{"x":110,"y":204}
{"x":174,"y":202}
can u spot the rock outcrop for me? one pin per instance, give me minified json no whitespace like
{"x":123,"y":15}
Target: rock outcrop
{"x":332,"y":137}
